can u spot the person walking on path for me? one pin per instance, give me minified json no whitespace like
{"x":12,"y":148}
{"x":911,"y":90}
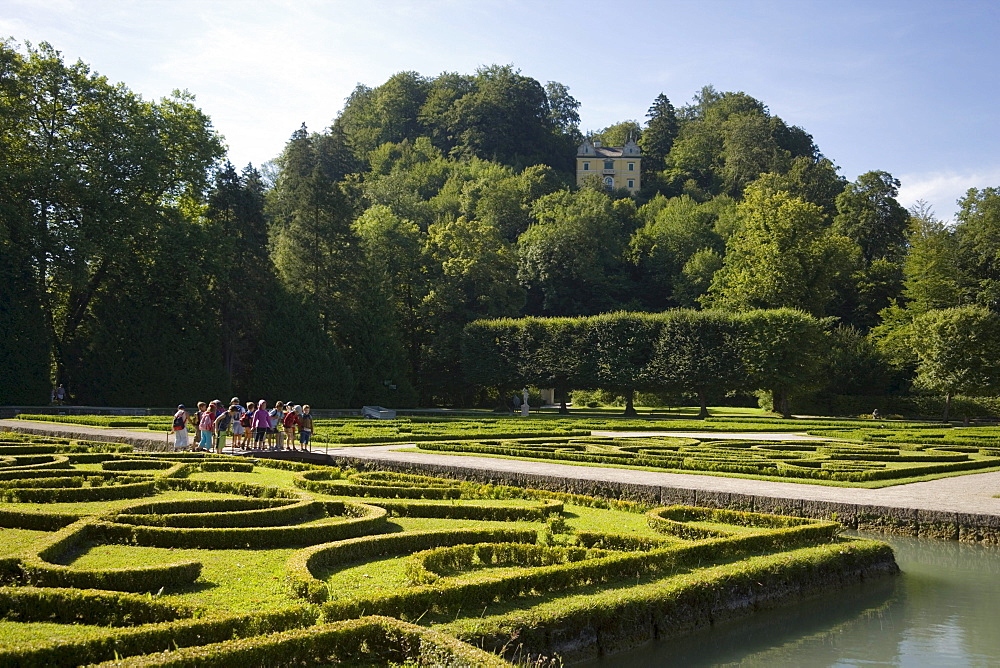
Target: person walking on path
{"x":180,"y":428}
{"x":305,"y":428}
{"x":261,"y":424}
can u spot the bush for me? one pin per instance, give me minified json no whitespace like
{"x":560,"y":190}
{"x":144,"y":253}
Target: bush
{"x":368,"y":640}
{"x":85,"y":606}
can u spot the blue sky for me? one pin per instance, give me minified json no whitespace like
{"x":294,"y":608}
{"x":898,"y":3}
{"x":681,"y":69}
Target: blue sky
{"x":906,"y":87}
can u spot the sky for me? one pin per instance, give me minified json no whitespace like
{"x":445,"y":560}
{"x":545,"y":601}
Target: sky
{"x":908,"y":87}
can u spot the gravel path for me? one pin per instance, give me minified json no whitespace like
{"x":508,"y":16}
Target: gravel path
{"x":970,"y":493}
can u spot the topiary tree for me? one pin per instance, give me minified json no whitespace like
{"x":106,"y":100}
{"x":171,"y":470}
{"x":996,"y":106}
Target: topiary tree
{"x":623,"y":346}
{"x":782,"y":352}
{"x":958,"y":351}
{"x":699,"y":352}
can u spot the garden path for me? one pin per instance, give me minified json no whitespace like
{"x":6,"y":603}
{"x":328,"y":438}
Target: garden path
{"x":969,"y":493}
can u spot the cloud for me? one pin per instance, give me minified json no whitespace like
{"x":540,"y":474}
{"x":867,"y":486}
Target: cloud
{"x":943,"y":189}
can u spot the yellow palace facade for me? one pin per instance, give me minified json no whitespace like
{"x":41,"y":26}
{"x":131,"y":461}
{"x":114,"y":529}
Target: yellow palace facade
{"x":617,"y":166}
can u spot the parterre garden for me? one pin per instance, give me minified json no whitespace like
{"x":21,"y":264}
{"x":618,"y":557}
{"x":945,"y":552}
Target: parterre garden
{"x":845,"y":452}
{"x":124,"y":558}
{"x":883,"y":458}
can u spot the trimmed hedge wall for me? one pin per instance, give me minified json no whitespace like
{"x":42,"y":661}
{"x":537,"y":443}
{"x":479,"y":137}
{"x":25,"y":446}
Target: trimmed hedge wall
{"x":86,"y":606}
{"x":369,"y":519}
{"x":446,"y":596}
{"x":472,"y":511}
{"x":364,"y":641}
{"x":303,"y":564}
{"x":223,"y":513}
{"x":607,"y":622}
{"x":166,"y":636}
{"x":38,"y":568}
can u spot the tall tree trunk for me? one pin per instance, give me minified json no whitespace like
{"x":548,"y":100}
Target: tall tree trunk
{"x":703,"y":405}
{"x":630,"y":403}
{"x":779,"y":401}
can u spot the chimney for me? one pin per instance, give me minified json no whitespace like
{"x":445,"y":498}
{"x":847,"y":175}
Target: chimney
{"x":597,"y":143}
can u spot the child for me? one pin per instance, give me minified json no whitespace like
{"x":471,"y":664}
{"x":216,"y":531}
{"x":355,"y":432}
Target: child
{"x":226,"y":419}
{"x":289,"y":422}
{"x":305,"y":427}
{"x":196,"y":423}
{"x":238,"y":429}
{"x":276,"y":437}
{"x":206,"y":423}
{"x":247,"y":421}
{"x":261,"y":424}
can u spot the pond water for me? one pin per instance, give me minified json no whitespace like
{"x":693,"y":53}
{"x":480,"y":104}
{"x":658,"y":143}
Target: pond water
{"x":942,"y":611}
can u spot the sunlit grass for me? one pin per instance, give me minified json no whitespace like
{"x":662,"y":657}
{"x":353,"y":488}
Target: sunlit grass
{"x":231,"y":580}
{"x":13,"y":541}
{"x":19,"y":634}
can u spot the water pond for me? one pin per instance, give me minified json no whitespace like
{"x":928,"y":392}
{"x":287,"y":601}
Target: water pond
{"x":942,"y":611}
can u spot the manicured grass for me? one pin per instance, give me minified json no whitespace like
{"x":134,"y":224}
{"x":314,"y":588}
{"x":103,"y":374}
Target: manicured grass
{"x":13,"y":541}
{"x":231,"y":581}
{"x":17,"y":634}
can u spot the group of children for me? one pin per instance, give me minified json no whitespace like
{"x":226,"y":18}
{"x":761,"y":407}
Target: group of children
{"x":252,"y":427}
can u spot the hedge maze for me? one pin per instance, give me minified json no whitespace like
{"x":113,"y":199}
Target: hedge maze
{"x":882,"y":458}
{"x":113,"y":557}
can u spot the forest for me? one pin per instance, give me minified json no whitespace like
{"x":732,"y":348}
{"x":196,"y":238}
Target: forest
{"x":139,"y":267}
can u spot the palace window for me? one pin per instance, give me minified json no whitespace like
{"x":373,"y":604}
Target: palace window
{"x":609,"y":164}
{"x":631,"y":166}
{"x":586,"y":166}
{"x":631,"y":183}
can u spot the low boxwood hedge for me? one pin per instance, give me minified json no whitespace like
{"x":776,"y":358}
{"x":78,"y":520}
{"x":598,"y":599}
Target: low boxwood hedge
{"x":148,"y":639}
{"x":86,"y":606}
{"x":304,"y":564}
{"x":365,"y":641}
{"x":366,"y":519}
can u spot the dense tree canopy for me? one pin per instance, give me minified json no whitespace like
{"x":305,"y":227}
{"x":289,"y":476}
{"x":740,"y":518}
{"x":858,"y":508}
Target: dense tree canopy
{"x":136,"y":266}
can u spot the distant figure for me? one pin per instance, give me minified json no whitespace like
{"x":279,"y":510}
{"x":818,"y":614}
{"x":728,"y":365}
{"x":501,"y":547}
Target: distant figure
{"x":515,"y":403}
{"x":525,"y":406}
{"x":876,"y":415}
{"x":60,"y":395}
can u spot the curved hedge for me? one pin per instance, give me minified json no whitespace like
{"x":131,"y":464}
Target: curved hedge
{"x":471,"y":511}
{"x":86,"y":606}
{"x":151,"y":638}
{"x":367,"y":519}
{"x":363,"y":641}
{"x":222,"y":513}
{"x":76,"y":489}
{"x":303,"y":565}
